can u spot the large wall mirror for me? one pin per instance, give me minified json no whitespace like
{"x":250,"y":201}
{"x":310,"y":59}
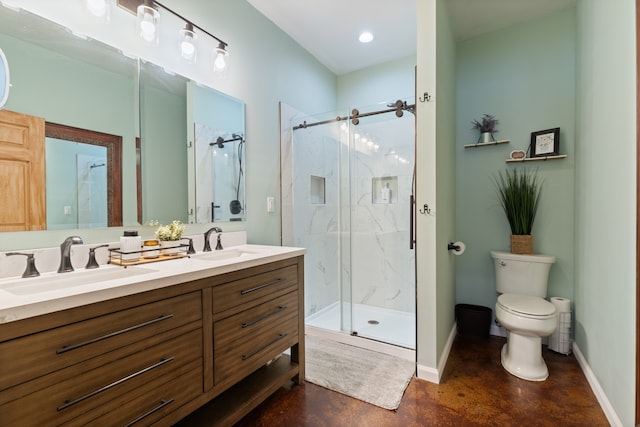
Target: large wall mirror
{"x":86,"y":85}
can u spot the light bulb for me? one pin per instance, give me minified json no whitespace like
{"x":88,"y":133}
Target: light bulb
{"x":220,"y":61}
{"x":147,"y":22}
{"x":187,"y":48}
{"x":188,"y":44}
{"x":148,"y":27}
{"x":365,"y":37}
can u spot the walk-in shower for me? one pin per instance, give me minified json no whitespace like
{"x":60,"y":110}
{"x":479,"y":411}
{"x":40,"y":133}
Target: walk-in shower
{"x":346,"y":189}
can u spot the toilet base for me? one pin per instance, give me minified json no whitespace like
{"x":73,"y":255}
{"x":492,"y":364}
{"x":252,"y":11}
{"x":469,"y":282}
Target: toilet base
{"x":521,"y":356}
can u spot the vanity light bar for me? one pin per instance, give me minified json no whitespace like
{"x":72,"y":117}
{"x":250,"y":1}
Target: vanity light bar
{"x":220,"y":52}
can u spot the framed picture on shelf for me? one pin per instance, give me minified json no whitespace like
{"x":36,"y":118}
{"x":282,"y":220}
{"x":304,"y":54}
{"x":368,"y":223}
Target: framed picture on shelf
{"x":545,"y":143}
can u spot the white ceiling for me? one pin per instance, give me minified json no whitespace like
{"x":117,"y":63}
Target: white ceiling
{"x":329,"y":29}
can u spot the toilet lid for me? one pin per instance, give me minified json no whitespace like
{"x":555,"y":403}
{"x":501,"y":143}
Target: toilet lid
{"x":526,"y":305}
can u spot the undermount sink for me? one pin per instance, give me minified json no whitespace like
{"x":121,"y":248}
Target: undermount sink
{"x":59,"y":281}
{"x":227,"y":254}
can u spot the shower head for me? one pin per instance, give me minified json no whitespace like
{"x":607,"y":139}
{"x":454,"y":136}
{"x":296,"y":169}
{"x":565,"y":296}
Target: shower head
{"x":220,"y":141}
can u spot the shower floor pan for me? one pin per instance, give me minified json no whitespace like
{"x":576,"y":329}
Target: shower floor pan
{"x":382,"y":324}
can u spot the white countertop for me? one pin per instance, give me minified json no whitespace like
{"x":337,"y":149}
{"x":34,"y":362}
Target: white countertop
{"x":23,"y":298}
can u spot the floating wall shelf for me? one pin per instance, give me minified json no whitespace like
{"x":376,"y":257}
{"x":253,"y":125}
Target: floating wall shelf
{"x":536,"y":159}
{"x":484,"y":144}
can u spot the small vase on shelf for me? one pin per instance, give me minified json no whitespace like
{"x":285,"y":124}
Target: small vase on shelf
{"x":486,"y":137}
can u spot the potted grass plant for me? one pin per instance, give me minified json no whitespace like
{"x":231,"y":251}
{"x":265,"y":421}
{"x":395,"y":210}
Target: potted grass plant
{"x":519,"y":195}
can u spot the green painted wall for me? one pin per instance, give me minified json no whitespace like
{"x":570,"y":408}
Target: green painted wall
{"x":605,"y":220}
{"x":525,"y":76}
{"x":383,"y":83}
{"x":445,"y":100}
{"x":435,"y":185}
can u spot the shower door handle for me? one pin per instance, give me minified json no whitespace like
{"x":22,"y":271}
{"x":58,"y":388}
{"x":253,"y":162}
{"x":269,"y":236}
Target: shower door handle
{"x":411,"y":237}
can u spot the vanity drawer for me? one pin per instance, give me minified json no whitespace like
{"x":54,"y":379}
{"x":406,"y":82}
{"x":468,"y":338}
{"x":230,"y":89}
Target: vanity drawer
{"x":246,"y":351}
{"x":29,"y":357}
{"x":108,"y":387}
{"x":255,"y":289}
{"x":153,"y":402}
{"x":241,"y":327}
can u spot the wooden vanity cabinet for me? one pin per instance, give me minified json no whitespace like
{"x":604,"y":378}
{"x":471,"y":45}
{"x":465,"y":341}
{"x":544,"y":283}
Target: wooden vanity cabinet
{"x":212,"y":346}
{"x":84,"y":372}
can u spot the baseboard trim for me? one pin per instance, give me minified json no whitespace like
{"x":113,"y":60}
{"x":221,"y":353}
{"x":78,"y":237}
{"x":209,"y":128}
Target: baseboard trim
{"x":435,"y":375}
{"x":609,"y":412}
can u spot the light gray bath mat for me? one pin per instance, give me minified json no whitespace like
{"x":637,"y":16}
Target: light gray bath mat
{"x":367,"y":375}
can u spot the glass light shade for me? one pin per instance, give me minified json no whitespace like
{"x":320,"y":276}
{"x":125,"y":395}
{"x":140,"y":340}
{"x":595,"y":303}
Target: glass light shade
{"x":188,"y":43}
{"x":98,"y":8}
{"x":220,"y":58}
{"x":148,"y":23}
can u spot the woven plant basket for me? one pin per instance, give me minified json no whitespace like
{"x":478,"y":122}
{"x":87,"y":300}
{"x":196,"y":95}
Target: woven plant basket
{"x":522,"y":244}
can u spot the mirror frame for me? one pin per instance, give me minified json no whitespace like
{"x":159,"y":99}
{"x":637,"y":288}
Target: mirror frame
{"x":113,"y":144}
{"x":7,"y":81}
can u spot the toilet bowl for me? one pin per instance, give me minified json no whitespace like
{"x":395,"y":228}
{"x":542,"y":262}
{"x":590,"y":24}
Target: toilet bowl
{"x":522,"y":310}
{"x":527,"y":319}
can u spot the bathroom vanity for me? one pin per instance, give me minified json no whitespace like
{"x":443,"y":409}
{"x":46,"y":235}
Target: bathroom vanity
{"x":197,"y":339}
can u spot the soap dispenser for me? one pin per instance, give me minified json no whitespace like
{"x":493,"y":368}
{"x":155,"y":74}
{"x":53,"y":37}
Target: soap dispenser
{"x":385,"y":194}
{"x":130,"y":245}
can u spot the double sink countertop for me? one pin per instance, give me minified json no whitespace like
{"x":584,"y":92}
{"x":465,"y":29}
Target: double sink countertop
{"x":21,"y":298}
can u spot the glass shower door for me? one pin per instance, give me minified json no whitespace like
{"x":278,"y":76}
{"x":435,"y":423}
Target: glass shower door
{"x":321,"y":219}
{"x":382,"y":264}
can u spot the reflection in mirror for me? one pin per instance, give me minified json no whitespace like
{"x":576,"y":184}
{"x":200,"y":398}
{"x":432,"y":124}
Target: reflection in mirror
{"x":219,"y":160}
{"x":163,"y":135}
{"x":80,"y":83}
{"x":5,"y":81}
{"x":83,"y":172}
{"x":218,"y":188}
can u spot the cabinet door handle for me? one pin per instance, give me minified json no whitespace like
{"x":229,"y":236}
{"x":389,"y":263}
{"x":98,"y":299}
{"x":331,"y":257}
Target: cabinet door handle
{"x":66,"y":348}
{"x":264,"y":316}
{"x":162,"y":404}
{"x":69,"y":403}
{"x":257,"y":288}
{"x":258,"y":350}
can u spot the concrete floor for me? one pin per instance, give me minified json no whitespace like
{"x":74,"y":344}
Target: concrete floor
{"x":475,"y":391}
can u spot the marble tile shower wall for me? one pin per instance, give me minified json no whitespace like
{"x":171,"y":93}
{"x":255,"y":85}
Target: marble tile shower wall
{"x":317,"y":225}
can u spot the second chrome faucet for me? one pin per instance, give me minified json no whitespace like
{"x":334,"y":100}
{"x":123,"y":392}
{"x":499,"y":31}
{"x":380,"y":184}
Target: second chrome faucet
{"x":207,"y":234}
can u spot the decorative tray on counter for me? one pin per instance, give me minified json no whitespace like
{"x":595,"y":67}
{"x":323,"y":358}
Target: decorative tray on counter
{"x":118,"y":257}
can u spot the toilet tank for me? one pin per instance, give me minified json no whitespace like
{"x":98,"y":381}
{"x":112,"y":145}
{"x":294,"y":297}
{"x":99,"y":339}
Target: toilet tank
{"x":522,"y":274}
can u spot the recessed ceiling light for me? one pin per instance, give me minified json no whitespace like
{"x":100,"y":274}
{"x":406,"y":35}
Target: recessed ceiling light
{"x":365,"y":37}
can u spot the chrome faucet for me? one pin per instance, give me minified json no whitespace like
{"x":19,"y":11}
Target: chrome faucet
{"x":207,"y":245}
{"x":65,"y":253}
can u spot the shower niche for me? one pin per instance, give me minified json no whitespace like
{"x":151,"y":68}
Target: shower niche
{"x":384,"y":190}
{"x":317,"y":190}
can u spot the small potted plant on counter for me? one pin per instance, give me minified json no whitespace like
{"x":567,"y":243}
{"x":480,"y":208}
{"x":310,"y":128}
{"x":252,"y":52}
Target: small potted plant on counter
{"x":519,"y":194}
{"x":487,"y":127}
{"x":169,"y":236}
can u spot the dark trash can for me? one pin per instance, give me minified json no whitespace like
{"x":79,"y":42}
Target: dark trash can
{"x":473,"y":320}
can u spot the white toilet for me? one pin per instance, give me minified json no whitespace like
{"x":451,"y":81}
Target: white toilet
{"x":522,"y":310}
